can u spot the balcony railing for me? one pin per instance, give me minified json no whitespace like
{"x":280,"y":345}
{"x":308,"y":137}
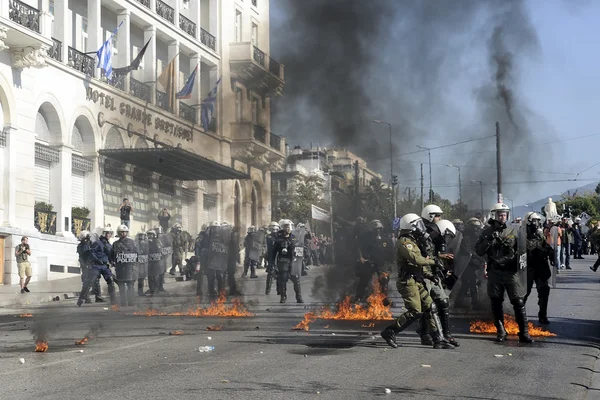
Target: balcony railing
{"x":115,"y":80}
{"x":207,"y":39}
{"x":144,"y":3}
{"x":24,"y":15}
{"x":187,"y":112}
{"x":165,"y":11}
{"x":187,"y":26}
{"x":274,"y":67}
{"x":81,"y":62}
{"x":55,"y":51}
{"x":45,"y":222}
{"x":79,"y":225}
{"x":260,"y":133}
{"x":139,"y":89}
{"x":275,"y":141}
{"x":259,"y":56}
{"x":162,"y":100}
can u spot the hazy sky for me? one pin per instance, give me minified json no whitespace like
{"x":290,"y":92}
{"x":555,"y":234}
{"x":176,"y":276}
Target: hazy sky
{"x":558,"y":86}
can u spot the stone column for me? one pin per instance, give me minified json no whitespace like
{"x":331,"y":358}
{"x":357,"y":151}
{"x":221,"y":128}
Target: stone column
{"x":124,"y":43}
{"x":95,"y":35}
{"x":93,"y":191}
{"x":174,"y":53}
{"x":176,"y":11}
{"x":10,"y":177}
{"x":150,"y":73}
{"x":5,"y":8}
{"x":62,"y":27}
{"x":60,"y":191}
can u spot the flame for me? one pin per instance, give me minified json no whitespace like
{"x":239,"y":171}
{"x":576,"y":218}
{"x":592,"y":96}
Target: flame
{"x":115,"y":307}
{"x":41,"y":346}
{"x":304,"y":324}
{"x":25,"y":315}
{"x":214,"y":328}
{"x":371,"y":325}
{"x":511,"y":326}
{"x":216,"y":309}
{"x":176,"y":333}
{"x":326,"y":327}
{"x":374,"y":310}
{"x":82,"y":341}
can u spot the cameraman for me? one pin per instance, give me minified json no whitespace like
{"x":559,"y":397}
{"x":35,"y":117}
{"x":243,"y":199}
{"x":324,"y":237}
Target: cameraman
{"x":22,"y":252}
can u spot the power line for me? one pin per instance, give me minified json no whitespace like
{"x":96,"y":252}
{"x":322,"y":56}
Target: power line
{"x":517,"y":183}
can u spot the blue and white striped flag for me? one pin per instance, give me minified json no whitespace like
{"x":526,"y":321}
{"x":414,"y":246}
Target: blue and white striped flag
{"x":186,"y":92}
{"x":105,"y":55}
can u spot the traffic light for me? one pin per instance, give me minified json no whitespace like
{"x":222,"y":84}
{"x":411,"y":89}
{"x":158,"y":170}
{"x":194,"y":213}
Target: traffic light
{"x":394,"y":180}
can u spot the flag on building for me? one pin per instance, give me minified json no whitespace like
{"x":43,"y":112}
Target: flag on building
{"x":186,"y":92}
{"x":135,"y":64}
{"x":208,"y":106}
{"x":320,"y":214}
{"x":105,"y":53}
{"x":167,"y":80}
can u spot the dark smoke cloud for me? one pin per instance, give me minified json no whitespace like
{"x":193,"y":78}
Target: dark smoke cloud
{"x":440,"y":72}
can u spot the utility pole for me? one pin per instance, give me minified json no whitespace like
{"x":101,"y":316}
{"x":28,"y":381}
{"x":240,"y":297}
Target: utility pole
{"x":393,"y":179}
{"x":422,"y":182}
{"x":430,"y":179}
{"x":481,"y":187}
{"x":498,"y":163}
{"x":356,"y":191}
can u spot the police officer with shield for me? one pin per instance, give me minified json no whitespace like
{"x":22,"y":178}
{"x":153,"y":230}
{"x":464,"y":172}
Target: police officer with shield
{"x":166,"y":240}
{"x":469,"y":284}
{"x":101,"y":255}
{"x":200,"y":251}
{"x":253,"y":247}
{"x":270,"y":256}
{"x":289,"y":261}
{"x":506,"y":250}
{"x":142,"y":246}
{"x":413,"y":269}
{"x":125,"y":259}
{"x":179,"y":247}
{"x":154,"y":262}
{"x":219,"y":239}
{"x":84,"y":250}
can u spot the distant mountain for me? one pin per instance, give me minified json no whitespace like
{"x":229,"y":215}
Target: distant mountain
{"x":536,"y":206}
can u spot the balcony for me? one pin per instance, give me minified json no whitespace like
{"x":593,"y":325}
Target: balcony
{"x":139,"y":89}
{"x":260,"y":133}
{"x":55,"y":52}
{"x":24,"y":15}
{"x":145,"y":3}
{"x":81,"y":62}
{"x":187,"y":26}
{"x":165,"y":11}
{"x":275,"y":142}
{"x":187,"y":112}
{"x":208,"y":40}
{"x":117,"y":81}
{"x":26,"y":31}
{"x":252,"y":143}
{"x":256,"y":69}
{"x":162,"y":101}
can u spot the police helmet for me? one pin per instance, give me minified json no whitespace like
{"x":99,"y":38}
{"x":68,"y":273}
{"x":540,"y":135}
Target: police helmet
{"x":122,"y":228}
{"x":251,"y":229}
{"x":376,"y":224}
{"x":107,"y":229}
{"x":158,"y":229}
{"x":84,"y":235}
{"x":215,"y":223}
{"x":430,"y":211}
{"x":500,"y":208}
{"x":446,"y":227}
{"x":411,"y":222}
{"x":151,"y":233}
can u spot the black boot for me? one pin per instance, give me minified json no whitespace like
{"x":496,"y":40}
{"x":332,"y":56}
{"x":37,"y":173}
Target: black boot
{"x":521,"y":318}
{"x":389,"y":335}
{"x":253,"y":270}
{"x":269,"y":283}
{"x":298,"y":290}
{"x":161,"y":283}
{"x":426,"y":339}
{"x":498,"y":314}
{"x":444,"y":315}
{"x":283,"y":292}
{"x":172,"y":271}
{"x":543,"y":303}
{"x":439,"y":342}
{"x":111,"y":293}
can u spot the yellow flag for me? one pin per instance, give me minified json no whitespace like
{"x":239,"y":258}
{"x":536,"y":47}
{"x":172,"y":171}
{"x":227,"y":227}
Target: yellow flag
{"x":167,"y":80}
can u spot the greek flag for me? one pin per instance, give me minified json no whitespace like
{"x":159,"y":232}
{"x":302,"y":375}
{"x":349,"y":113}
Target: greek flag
{"x":105,"y":55}
{"x":208,"y":106}
{"x":186,"y":92}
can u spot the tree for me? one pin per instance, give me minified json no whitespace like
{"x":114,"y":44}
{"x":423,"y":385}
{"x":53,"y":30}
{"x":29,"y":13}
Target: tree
{"x":589,"y":203}
{"x":597,"y":190}
{"x":306,"y":191}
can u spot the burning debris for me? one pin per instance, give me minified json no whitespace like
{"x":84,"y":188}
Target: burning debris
{"x":82,"y":341}
{"x":94,"y":329}
{"x":371,"y":325}
{"x":510,"y":325}
{"x":176,"y":333}
{"x":214,"y":328}
{"x":216,"y":309}
{"x":26,"y":315}
{"x":41,"y":347}
{"x":374,"y":310}
{"x":115,"y":307}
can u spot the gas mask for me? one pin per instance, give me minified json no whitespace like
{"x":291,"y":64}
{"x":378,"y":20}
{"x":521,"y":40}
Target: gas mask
{"x":418,"y":228}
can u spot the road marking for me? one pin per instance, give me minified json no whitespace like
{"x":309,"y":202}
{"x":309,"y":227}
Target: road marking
{"x":85,"y":356}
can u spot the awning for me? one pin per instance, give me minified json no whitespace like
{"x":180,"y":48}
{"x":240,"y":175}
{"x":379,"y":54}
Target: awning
{"x":175,"y":163}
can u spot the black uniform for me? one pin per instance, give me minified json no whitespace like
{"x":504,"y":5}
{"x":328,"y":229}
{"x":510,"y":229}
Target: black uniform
{"x":469,"y":284}
{"x":538,"y":270}
{"x":284,"y":255}
{"x":84,"y":250}
{"x":125,"y":259}
{"x":271,"y":267}
{"x":378,"y":250}
{"x":234,"y":254}
{"x":499,"y":243}
{"x":200,"y":248}
{"x":155,"y":263}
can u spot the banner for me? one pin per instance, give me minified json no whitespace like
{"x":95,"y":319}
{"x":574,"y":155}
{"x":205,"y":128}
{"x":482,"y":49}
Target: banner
{"x":320,"y":214}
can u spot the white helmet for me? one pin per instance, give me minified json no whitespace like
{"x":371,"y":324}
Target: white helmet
{"x":122,"y":228}
{"x":84,"y":234}
{"x":224,"y":224}
{"x":577,"y":220}
{"x":429,"y":211}
{"x":158,"y":229}
{"x":410,"y":221}
{"x":177,"y":226}
{"x":376,"y":224}
{"x":301,"y":225}
{"x":107,"y":229}
{"x":151,"y":232}
{"x":500,"y":207}
{"x":204,"y":226}
{"x":273,"y":226}
{"x":446,"y":227}
{"x":215,"y":223}
{"x":251,"y":229}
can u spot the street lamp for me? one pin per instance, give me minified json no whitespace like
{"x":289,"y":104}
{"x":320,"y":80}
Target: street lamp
{"x":430,"y":184}
{"x":459,"y":186}
{"x":392,"y":180}
{"x":481,"y":187}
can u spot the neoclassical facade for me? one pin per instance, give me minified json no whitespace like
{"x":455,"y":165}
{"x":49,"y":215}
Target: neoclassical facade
{"x":72,"y":140}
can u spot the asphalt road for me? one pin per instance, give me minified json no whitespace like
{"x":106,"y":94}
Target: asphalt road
{"x":261,"y":357}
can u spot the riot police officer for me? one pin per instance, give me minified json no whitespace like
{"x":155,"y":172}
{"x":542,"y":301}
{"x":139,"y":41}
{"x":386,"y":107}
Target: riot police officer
{"x":538,"y":270}
{"x":166,"y":241}
{"x":375,"y":251}
{"x":84,"y":250}
{"x":431,"y":247}
{"x":284,"y":254}
{"x":504,"y":248}
{"x":125,"y":258}
{"x":101,"y":255}
{"x":271,"y":267}
{"x":234,"y":253}
{"x":142,"y":246}
{"x":155,"y":257}
{"x":179,"y":247}
{"x":249,"y":263}
{"x":468,"y":279}
{"x":413,"y":269}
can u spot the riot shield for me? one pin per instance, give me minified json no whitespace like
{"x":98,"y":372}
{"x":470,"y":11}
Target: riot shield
{"x":126,"y":258}
{"x":219,"y":247}
{"x":142,"y":247}
{"x":256,"y":249}
{"x":167,"y":251}
{"x":155,"y":256}
{"x":299,"y":235}
{"x":522,"y":259}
